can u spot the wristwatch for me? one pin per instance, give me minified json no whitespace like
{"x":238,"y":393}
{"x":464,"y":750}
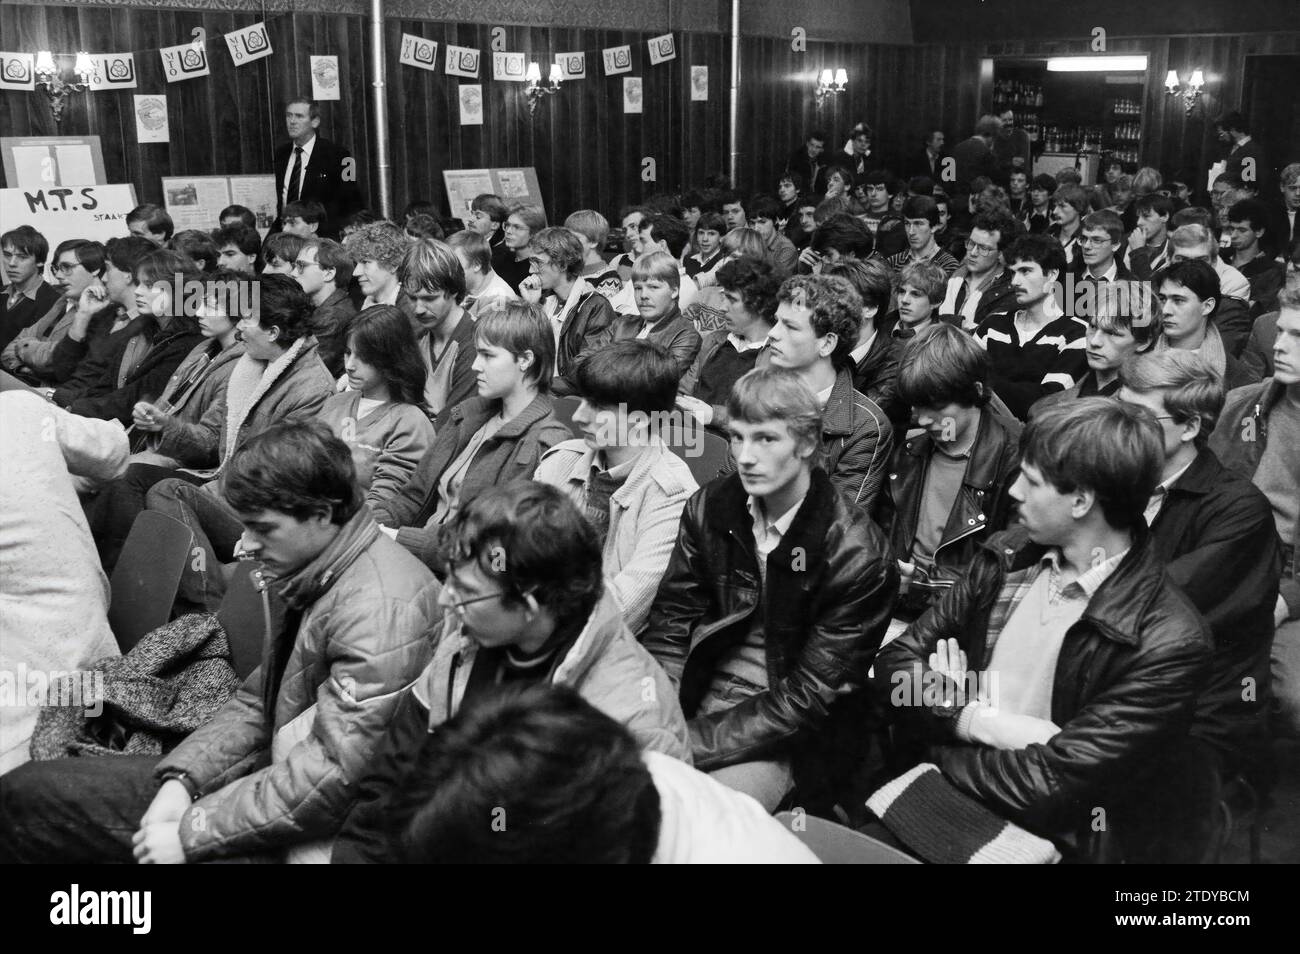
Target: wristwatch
{"x":179,"y":775}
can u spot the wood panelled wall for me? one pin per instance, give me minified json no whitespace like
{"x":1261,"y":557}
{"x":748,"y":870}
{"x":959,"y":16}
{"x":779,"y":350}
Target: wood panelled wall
{"x":586,"y":150}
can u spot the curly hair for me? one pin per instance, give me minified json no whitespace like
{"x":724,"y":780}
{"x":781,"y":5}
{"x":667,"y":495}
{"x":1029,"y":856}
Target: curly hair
{"x":756,"y":282}
{"x":382,"y":242}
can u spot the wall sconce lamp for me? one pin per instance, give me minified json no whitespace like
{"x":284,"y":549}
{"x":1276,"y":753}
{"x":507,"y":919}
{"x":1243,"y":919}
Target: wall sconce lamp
{"x":831,"y":83}
{"x":57,"y":88}
{"x":1191,"y":93}
{"x":534,"y":89}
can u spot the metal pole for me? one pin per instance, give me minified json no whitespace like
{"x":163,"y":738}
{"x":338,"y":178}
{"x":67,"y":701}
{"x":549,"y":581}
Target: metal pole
{"x":734,"y":111}
{"x":380,"y":106}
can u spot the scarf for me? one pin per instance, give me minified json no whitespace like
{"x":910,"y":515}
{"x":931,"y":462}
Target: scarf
{"x":1211,"y":350}
{"x":248,"y":384}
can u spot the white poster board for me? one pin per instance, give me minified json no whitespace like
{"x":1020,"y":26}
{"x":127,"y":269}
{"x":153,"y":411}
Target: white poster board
{"x":39,"y":162}
{"x":515,"y":186}
{"x":195,"y":202}
{"x":95,"y":212}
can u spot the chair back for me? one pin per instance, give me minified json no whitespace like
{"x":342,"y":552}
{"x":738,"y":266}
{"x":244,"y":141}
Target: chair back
{"x":147,"y":576}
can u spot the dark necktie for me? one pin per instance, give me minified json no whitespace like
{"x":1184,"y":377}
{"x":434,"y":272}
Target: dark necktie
{"x":295,"y":180}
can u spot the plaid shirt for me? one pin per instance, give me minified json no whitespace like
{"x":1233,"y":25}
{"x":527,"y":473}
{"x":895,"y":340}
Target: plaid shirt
{"x":1017,"y":585}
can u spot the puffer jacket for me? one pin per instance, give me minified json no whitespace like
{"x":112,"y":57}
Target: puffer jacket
{"x":367,"y":610}
{"x":1126,"y":683}
{"x":605,"y":665}
{"x":196,"y":384}
{"x":983,"y":505}
{"x":833,"y":582}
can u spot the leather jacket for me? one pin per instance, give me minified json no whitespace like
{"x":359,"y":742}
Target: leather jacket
{"x":983,"y":505}
{"x":835,"y":583}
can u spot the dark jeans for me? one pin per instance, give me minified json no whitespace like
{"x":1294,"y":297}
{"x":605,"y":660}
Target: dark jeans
{"x":216,"y":532}
{"x":113,"y":510}
{"x":75,"y":810}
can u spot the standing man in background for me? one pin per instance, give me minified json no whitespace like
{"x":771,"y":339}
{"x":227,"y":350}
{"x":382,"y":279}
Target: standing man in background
{"x":310,"y":167}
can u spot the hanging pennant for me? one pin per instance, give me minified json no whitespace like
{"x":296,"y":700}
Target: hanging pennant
{"x":461,"y":61}
{"x":324,"y":77}
{"x":419,"y":52}
{"x":572,"y":65}
{"x":618,"y":59}
{"x":112,"y":71}
{"x":510,"y":67}
{"x":662,"y":49}
{"x":248,"y":44}
{"x":184,"y":61}
{"x":17,"y":71}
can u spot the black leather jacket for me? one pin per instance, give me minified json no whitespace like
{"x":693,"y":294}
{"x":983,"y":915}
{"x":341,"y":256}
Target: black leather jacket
{"x":1126,"y":683}
{"x":586,"y":326}
{"x":833,"y":585}
{"x":983,"y":505}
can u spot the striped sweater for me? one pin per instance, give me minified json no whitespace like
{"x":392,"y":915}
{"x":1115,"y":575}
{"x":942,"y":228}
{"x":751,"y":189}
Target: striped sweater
{"x":1024,"y":371}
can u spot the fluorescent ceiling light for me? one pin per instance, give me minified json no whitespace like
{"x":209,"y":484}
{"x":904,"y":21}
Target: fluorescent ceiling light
{"x":1095,"y":64}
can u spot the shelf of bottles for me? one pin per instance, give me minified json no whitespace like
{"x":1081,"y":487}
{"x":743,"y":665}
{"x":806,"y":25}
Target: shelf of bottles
{"x":1024,"y":99}
{"x":1058,"y":138}
{"x":1125,"y":130}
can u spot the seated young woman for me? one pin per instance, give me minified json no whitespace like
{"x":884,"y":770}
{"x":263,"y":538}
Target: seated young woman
{"x":381,"y":416}
{"x":493,"y":438}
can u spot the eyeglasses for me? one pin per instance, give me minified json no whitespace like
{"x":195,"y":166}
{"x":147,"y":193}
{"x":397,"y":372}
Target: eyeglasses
{"x":976,"y":247}
{"x":512,"y":227}
{"x":458,"y":606}
{"x":63,"y":268}
{"x":1094,"y":240}
{"x":300,"y":265}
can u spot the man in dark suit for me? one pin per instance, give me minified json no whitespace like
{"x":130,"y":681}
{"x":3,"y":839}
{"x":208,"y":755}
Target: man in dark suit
{"x":974,"y":156}
{"x":807,"y":160}
{"x":310,"y":167}
{"x":1245,"y":158}
{"x":928,"y":161}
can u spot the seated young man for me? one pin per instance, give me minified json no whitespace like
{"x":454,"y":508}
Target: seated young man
{"x":1190,"y":298}
{"x":920,"y":219}
{"x":706,"y":240}
{"x":487,"y":217}
{"x":378,"y":249}
{"x":239,"y":248}
{"x":1248,"y":227}
{"x":982,"y":284}
{"x":816,"y":329}
{"x":1232,"y":316}
{"x":874,"y":359}
{"x":619,"y":473}
{"x":279,"y":252}
{"x":525,"y":606}
{"x":656,"y":288}
{"x":1125,"y":322}
{"x":1148,"y":245}
{"x":586,"y":792}
{"x":777,"y":595}
{"x":1069,"y":206}
{"x":920,"y":291}
{"x":324,"y":270}
{"x":484,"y":288}
{"x":749,"y":290}
{"x":877,"y":187}
{"x":762,"y":213}
{"x":592,"y":230}
{"x":303,"y":218}
{"x":275,"y":769}
{"x":1076,"y":663}
{"x":580,"y":315}
{"x":1257,"y":436}
{"x":151,"y":222}
{"x":279,"y":378}
{"x":666,"y":234}
{"x":78,"y":264}
{"x":434,"y":283}
{"x":950,"y":481}
{"x":1214,"y":531}
{"x":1101,"y":237}
{"x":1035,"y":348}
{"x":510,"y":258}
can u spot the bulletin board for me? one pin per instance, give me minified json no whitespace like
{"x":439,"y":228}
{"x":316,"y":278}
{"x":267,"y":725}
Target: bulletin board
{"x":515,"y":186}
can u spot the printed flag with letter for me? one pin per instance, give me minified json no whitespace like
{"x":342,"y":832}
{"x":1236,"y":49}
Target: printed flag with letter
{"x":662,"y":49}
{"x":113,"y":71}
{"x":185,"y":61}
{"x":461,"y":61}
{"x":248,"y":44}
{"x":509,"y":67}
{"x":419,"y":52}
{"x":618,"y":59}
